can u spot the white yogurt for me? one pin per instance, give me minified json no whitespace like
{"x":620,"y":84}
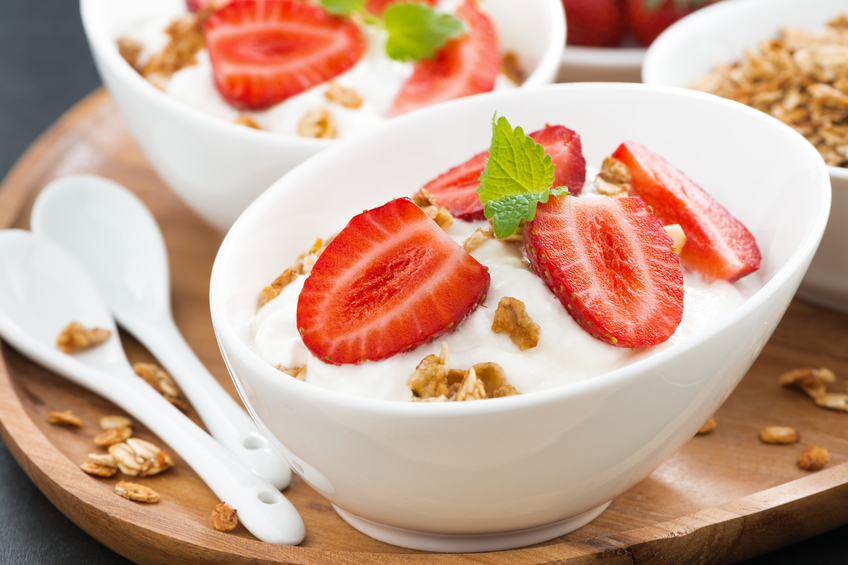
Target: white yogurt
{"x":376,"y":77}
{"x":565,"y":352}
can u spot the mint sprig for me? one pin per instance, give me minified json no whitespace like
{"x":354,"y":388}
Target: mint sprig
{"x":416,"y":30}
{"x":343,"y":7}
{"x":518,"y":175}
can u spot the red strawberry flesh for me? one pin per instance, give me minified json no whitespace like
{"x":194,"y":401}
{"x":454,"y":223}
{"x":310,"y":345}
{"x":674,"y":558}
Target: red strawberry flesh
{"x":390,"y":281}
{"x":465,"y":65}
{"x":647,"y":22}
{"x":718,"y":246}
{"x":265,"y":52}
{"x":456,"y":189}
{"x":610,"y":264}
{"x":594,"y":23}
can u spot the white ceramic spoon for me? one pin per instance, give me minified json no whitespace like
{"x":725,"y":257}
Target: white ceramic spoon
{"x":116,"y":239}
{"x":42,"y":289}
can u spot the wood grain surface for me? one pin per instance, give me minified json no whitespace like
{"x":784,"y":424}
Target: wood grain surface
{"x":722,"y":498}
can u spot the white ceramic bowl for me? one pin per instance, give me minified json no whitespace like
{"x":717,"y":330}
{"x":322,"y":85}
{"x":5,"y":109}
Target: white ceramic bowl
{"x":720,"y":33}
{"x":218,"y":167}
{"x":506,"y":472}
{"x":601,"y":64}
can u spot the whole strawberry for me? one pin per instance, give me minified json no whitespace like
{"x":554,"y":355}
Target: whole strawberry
{"x":646,"y":19}
{"x":594,"y":23}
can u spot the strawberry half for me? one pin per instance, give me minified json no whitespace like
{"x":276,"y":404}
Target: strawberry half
{"x":377,"y":7}
{"x":265,"y":52}
{"x":717,"y":246}
{"x":647,"y":21}
{"x":463,"y":66}
{"x":610,"y":263}
{"x":456,"y":189}
{"x":390,"y":281}
{"x":593,"y":23}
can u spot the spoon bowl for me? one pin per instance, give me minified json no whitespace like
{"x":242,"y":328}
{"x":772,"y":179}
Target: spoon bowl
{"x":116,"y":239}
{"x":42,"y":289}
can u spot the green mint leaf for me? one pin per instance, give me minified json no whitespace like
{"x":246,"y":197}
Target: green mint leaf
{"x":518,"y":175}
{"x":417,"y":30}
{"x":343,"y":7}
{"x":508,"y":211}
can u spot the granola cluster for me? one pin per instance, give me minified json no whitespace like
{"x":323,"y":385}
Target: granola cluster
{"x":302,"y":266}
{"x":439,"y":214}
{"x":814,"y":383}
{"x":75,"y":337}
{"x":164,"y":383}
{"x":224,"y":517}
{"x":708,"y":426}
{"x":187,"y":40}
{"x":317,"y":123}
{"x":511,"y":318}
{"x":800,"y":78}
{"x":137,"y":492}
{"x":613,"y":179}
{"x":347,"y":97}
{"x":435,"y":381}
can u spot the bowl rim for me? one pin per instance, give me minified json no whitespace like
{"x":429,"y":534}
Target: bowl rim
{"x":105,"y":48}
{"x":226,"y":335}
{"x":603,"y":57}
{"x":682,"y":30}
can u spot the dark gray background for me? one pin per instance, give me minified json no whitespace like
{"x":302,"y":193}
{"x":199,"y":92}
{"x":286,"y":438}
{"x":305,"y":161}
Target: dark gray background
{"x":45,"y":67}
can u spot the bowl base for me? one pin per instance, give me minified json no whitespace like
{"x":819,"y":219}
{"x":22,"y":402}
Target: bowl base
{"x":472,"y":543}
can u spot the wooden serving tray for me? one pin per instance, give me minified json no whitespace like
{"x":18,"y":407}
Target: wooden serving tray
{"x":722,"y":498}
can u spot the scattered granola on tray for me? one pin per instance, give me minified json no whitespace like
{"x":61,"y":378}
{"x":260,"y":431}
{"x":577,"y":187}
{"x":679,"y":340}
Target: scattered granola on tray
{"x":137,"y":457}
{"x":112,"y":436}
{"x":800,"y":78}
{"x":109,"y":422}
{"x":224,"y":517}
{"x":75,"y":337}
{"x":779,"y":435}
{"x":814,"y":383}
{"x":65,"y":418}
{"x":708,"y":426}
{"x":97,"y":469}
{"x":139,"y":493}
{"x":813,"y":458}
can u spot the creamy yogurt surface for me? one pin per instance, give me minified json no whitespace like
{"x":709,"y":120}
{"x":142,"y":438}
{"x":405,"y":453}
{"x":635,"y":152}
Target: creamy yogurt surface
{"x":376,"y":77}
{"x":565,"y":353}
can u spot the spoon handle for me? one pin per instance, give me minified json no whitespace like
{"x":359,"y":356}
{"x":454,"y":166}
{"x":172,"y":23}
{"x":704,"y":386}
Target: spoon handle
{"x":223,"y":417}
{"x":262,"y":509}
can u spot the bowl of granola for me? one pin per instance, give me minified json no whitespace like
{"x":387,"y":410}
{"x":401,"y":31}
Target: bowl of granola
{"x":455,"y":384}
{"x":788,"y":59}
{"x":224,"y":97}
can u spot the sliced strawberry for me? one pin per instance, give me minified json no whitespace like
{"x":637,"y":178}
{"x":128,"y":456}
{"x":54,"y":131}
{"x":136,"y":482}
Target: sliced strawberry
{"x":566,"y":151}
{"x":456,"y":189}
{"x":265,"y":52}
{"x":464,"y":66}
{"x":377,"y":7}
{"x":610,"y":263}
{"x":717,"y":246}
{"x":195,"y":5}
{"x":390,"y":281}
